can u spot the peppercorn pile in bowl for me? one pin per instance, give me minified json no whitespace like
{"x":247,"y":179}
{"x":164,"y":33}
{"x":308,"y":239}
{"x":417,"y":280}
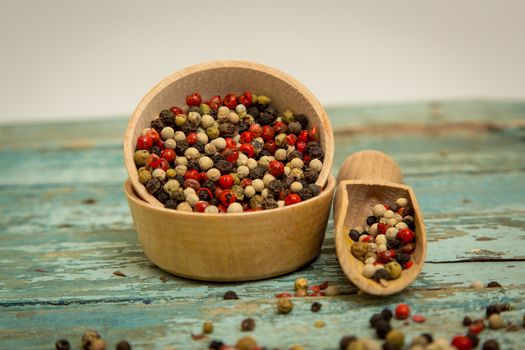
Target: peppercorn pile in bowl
{"x":229,"y":154}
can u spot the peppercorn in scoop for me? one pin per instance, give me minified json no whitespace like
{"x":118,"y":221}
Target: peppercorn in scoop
{"x":229,"y":155}
{"x":387,"y":241}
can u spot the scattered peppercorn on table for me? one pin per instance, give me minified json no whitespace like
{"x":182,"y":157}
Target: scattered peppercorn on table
{"x":71,"y":260}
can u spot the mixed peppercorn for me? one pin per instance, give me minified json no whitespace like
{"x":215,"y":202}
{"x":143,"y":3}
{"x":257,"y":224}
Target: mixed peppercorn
{"x":386,"y":243}
{"x":231,"y":154}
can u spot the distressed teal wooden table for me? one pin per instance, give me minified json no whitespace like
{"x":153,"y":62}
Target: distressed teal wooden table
{"x":65,"y":229}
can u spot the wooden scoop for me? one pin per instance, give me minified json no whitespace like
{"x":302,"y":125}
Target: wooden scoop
{"x":365,"y":179}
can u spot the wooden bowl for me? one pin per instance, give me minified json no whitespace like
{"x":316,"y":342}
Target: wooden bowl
{"x":232,"y":247}
{"x":222,"y":77}
{"x":365,"y":179}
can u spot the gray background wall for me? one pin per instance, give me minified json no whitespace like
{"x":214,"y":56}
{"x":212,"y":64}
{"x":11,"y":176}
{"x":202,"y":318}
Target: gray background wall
{"x":65,"y":59}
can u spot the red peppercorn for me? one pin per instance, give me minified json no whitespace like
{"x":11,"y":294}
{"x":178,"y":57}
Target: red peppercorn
{"x":476,"y":327}
{"x":245,"y":98}
{"x":323,"y":285}
{"x":231,"y":155}
{"x":256,"y":130}
{"x":462,"y":342}
{"x":191,"y":138}
{"x":405,"y":235}
{"x":267,"y":133}
{"x":194,"y":99}
{"x":381,"y":228}
{"x":176,"y":110}
{"x":227,"y":197}
{"x":409,"y":264}
{"x":222,"y":208}
{"x":292,"y":199}
{"x":200,"y":206}
{"x":160,"y":144}
{"x":291,"y":139}
{"x":387,"y":207}
{"x":300,"y":146}
{"x":303,"y":136}
{"x":246,"y":182}
{"x":153,"y":161}
{"x":230,"y":143}
{"x":168,"y":154}
{"x":402,"y":312}
{"x":215,"y":102}
{"x":191,"y":183}
{"x":306,"y":159}
{"x":144,"y":142}
{"x":192,"y":174}
{"x":164,"y":164}
{"x":366,"y":239}
{"x":230,"y":101}
{"x":217,"y":192}
{"x":247,"y":149}
{"x":226,"y":181}
{"x":153,"y":134}
{"x":276,"y":168}
{"x":313,"y":134}
{"x":408,"y":248}
{"x":246,"y":137}
{"x":270,"y":146}
{"x":386,"y":256}
{"x":280,"y":127}
{"x":283,"y":295}
{"x":418,"y":318}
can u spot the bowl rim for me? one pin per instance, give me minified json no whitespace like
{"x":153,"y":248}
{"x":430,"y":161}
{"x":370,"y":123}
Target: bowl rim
{"x":128,"y":148}
{"x":133,"y":196}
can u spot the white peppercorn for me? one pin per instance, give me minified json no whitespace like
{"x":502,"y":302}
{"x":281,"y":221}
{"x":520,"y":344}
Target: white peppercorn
{"x":181,"y":169}
{"x":258,"y":184}
{"x":287,"y":170}
{"x":192,"y":153}
{"x":378,"y":210}
{"x":192,"y":199}
{"x":392,"y":222}
{"x":265,"y":160}
{"x":211,"y":209}
{"x":391,"y":232}
{"x":409,"y":217}
{"x":181,"y":161}
{"x":251,"y":163}
{"x":242,"y":160}
{"x":296,"y":187}
{"x":233,"y":118}
{"x":280,"y":204}
{"x":210,"y":149}
{"x":372,"y":247}
{"x":280,"y":154}
{"x":213,"y":174}
{"x":179,"y":136}
{"x":184,"y":206}
{"x":369,"y":270}
{"x":159,"y":174}
{"x":296,"y":163}
{"x":316,"y":165}
{"x":373,"y":230}
{"x":380,"y":239}
{"x":398,"y":217}
{"x":297,"y":174}
{"x":381,"y":248}
{"x":219,"y":143}
{"x":389,"y":214}
{"x":167,"y":133}
{"x":401,"y":225}
{"x":235,"y":207}
{"x":267,"y":178}
{"x":370,"y":260}
{"x":205,"y":163}
{"x":223,"y":114}
{"x":243,"y":171}
{"x":241,"y":110}
{"x":359,"y":229}
{"x":383,"y":221}
{"x":249,"y":191}
{"x":202,"y":138}
{"x":171,"y":186}
{"x":401,"y":202}
{"x":170,"y":143}
{"x":194,"y":118}
{"x":207,"y":121}
{"x":188,"y":191}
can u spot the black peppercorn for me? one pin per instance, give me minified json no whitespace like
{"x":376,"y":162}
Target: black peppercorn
{"x":354,"y":235}
{"x":230,"y":295}
{"x":316,"y":189}
{"x":402,"y":258}
{"x":389,"y":346}
{"x":301,"y":118}
{"x":163,"y":197}
{"x":155,"y":150}
{"x":264,"y":152}
{"x":305,"y":194}
{"x":189,"y":127}
{"x":269,"y":203}
{"x":381,"y":274}
{"x":474,"y":339}
{"x":310,"y":175}
{"x":62,"y":344}
{"x":467,"y":321}
{"x":242,"y":126}
{"x":181,"y":147}
{"x":158,"y":125}
{"x":393,"y":243}
{"x":371,"y":220}
{"x":314,"y":150}
{"x":410,"y":224}
{"x":214,"y":201}
{"x":257,"y":146}
{"x":194,"y":109}
{"x":179,"y":178}
{"x":496,"y":309}
{"x":375,"y":319}
{"x":193,"y":164}
{"x":491,"y":344}
{"x":123,"y":345}
{"x":316,"y":307}
{"x":394,"y":207}
{"x":294,"y":154}
{"x":253,"y":111}
{"x":493,"y":284}
{"x":287,"y":181}
{"x":275,"y":185}
{"x":216,"y":157}
{"x":428,"y":337}
{"x":167,"y":117}
{"x":386,"y":314}
{"x":224,"y":167}
{"x":382,"y":328}
{"x":407,"y":211}
{"x":153,"y":185}
{"x":227,"y":129}
{"x":204,"y":195}
{"x":248,"y":325}
{"x":171,"y":204}
{"x":216,"y":345}
{"x":265,"y":118}
{"x":199,"y":147}
{"x":257,"y":172}
{"x":343,"y":343}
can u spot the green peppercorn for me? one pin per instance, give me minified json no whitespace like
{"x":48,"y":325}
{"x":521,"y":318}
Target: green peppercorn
{"x":205,"y":109}
{"x":280,"y":140}
{"x":263,"y":100}
{"x":256,"y":201}
{"x":171,"y":173}
{"x":213,"y":132}
{"x":395,"y":338}
{"x":180,"y":120}
{"x":207,"y":327}
{"x":288,"y":116}
{"x":394,"y":269}
{"x":359,"y":249}
{"x":284,"y":305}
{"x":239,"y":192}
{"x":140,"y":157}
{"x":144,"y":176}
{"x":178,"y":194}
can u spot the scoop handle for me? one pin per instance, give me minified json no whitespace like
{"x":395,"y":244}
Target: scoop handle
{"x":370,"y":165}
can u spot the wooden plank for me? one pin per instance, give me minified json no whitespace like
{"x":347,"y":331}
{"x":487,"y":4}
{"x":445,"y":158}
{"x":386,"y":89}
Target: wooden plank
{"x":158,"y":325}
